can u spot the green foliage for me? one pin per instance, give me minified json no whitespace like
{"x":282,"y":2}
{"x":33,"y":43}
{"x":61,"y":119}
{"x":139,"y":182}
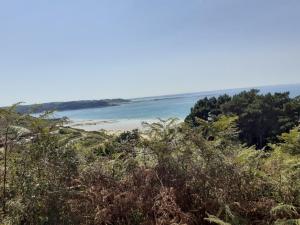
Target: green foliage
{"x":287,"y":222}
{"x":288,"y":210}
{"x":128,"y":136}
{"x":170,"y":173}
{"x":260,"y":117}
{"x":40,"y":168}
{"x":215,"y":220}
{"x":291,"y":141}
{"x":207,"y":108}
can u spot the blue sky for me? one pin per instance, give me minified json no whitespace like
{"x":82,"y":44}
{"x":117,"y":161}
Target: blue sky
{"x":58,"y":50}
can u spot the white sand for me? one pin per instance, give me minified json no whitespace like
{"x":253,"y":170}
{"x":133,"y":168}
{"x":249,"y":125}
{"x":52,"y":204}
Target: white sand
{"x":109,"y":125}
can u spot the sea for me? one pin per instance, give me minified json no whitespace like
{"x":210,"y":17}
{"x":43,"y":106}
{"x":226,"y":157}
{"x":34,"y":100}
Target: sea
{"x":130,"y":115}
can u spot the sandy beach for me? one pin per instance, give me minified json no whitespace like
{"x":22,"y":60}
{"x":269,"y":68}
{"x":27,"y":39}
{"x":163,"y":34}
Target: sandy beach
{"x":109,"y":125}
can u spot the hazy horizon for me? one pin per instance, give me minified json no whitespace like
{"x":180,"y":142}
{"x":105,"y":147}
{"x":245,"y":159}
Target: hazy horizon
{"x":174,"y":94}
{"x":63,"y":50}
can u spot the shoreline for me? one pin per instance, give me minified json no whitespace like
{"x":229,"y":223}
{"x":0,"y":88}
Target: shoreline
{"x":115,"y":125}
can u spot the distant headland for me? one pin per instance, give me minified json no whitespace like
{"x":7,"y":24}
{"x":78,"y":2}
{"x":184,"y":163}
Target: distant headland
{"x":71,"y":105}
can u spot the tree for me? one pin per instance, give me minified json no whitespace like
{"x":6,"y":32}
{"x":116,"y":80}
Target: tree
{"x":207,"y":108}
{"x":260,"y":117}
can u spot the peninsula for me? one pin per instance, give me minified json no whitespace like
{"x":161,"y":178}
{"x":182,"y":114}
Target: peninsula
{"x":71,"y":105}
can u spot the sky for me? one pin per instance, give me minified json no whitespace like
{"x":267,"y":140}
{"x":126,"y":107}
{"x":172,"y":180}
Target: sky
{"x":60,"y":50}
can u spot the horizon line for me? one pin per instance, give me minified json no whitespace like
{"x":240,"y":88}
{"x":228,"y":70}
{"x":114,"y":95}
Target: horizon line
{"x":162,"y":95}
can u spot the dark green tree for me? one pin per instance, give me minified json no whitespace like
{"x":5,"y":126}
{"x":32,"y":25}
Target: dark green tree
{"x":261,"y":118}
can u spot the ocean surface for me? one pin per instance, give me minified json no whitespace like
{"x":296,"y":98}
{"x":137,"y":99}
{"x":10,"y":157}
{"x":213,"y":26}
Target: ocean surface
{"x":130,"y":115}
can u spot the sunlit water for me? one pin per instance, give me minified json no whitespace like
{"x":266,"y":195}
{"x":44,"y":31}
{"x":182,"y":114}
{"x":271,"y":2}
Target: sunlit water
{"x":161,"y":107}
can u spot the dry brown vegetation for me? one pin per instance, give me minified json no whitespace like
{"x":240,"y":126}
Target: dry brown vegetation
{"x":178,"y":175}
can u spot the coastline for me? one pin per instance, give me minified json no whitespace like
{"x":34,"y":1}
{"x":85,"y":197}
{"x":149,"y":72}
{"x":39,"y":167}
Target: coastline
{"x":113,"y":125}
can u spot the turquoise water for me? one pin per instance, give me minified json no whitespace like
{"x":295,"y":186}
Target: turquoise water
{"x":163,"y":106}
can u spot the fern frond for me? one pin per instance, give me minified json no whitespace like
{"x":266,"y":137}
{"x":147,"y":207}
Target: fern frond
{"x":229,"y":212}
{"x":284,"y":209}
{"x":215,"y":220}
{"x":288,"y":222}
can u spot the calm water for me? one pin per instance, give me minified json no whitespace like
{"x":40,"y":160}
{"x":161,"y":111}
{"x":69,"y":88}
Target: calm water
{"x":163,"y":106}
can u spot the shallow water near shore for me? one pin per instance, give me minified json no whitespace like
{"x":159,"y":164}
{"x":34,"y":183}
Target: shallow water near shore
{"x":110,"y":125}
